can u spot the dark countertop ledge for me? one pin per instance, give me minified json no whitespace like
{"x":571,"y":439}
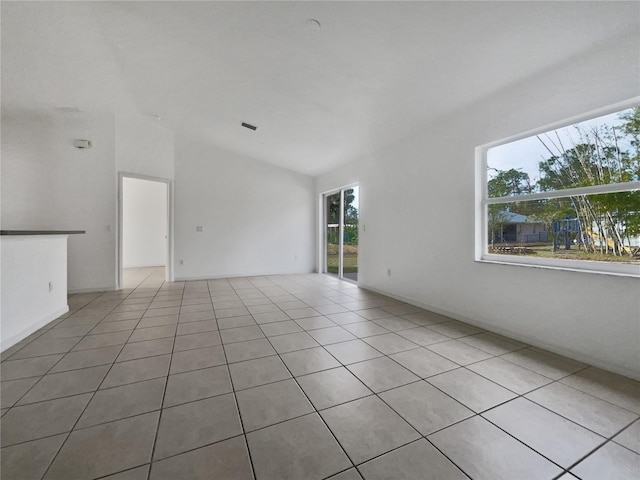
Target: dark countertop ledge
{"x":41,"y":232}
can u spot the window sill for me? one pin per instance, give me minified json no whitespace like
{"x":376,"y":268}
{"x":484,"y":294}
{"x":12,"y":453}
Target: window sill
{"x":581,"y":266}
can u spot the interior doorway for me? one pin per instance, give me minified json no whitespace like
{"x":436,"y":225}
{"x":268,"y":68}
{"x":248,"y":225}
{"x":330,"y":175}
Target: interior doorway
{"x":144,"y":231}
{"x":341,"y":218}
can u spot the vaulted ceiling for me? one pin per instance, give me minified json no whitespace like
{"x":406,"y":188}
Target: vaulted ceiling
{"x":320,"y":95}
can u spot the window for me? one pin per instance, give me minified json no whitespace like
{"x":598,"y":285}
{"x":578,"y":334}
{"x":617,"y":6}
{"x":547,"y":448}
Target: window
{"x":567,"y":196}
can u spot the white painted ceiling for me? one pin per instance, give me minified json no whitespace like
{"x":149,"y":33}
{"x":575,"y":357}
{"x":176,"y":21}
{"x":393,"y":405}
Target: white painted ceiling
{"x":372,"y":74}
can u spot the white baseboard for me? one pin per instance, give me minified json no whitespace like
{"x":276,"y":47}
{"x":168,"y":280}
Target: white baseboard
{"x":144,"y":266}
{"x":424,"y":306}
{"x":579,"y":356}
{"x":235,"y":275}
{"x":91,"y":290}
{"x":13,"y":339}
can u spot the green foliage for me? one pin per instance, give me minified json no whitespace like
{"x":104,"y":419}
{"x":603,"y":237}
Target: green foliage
{"x":350,"y":211}
{"x":631,"y":126}
{"x":624,"y":208}
{"x":509,"y":182}
{"x":333,"y":208}
{"x":598,"y":158}
{"x":333,"y":236}
{"x":350,"y":235}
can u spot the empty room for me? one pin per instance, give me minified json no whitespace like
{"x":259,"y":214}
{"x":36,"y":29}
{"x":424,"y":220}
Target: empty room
{"x":299,"y":240}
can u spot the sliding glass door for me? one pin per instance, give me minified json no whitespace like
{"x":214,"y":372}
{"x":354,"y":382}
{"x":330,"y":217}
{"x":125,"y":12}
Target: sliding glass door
{"x":332,"y":233}
{"x":341,"y":233}
{"x":350,"y":233}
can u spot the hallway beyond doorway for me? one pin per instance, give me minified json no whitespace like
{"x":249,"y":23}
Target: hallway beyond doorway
{"x":143,"y":277}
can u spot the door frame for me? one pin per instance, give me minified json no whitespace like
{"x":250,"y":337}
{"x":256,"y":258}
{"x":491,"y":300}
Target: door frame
{"x":169,"y":274}
{"x":323,"y":230}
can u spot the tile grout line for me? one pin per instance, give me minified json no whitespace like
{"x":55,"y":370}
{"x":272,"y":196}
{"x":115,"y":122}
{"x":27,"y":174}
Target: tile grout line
{"x":83,"y":411}
{"x":235,"y":398}
{"x":475,"y":414}
{"x":461,"y":366}
{"x":530,"y":447}
{"x":164,"y":393}
{"x":53,"y":366}
{"x":305,"y":331}
{"x":316,"y":412}
{"x":606,"y":440}
{"x":420,"y":379}
{"x":342,"y":365}
{"x":423,"y":379}
{"x":43,"y":330}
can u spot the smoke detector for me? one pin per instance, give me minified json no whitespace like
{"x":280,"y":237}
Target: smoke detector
{"x":82,"y":144}
{"x":313,"y":24}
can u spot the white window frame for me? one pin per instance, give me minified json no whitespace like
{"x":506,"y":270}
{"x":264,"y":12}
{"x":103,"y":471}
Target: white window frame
{"x":483,"y":201}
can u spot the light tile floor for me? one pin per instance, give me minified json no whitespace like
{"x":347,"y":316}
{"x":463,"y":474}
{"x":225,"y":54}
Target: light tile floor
{"x":299,"y":377}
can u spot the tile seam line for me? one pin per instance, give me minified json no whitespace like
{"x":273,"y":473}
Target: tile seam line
{"x":566,"y":469}
{"x":579,"y":424}
{"x":164,"y":394}
{"x":235,"y":400}
{"x":316,"y":412}
{"x":82,"y":413}
{"x":54,"y":365}
{"x":494,"y":356}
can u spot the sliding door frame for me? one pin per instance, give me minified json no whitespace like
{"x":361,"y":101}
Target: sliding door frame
{"x":323,"y":231}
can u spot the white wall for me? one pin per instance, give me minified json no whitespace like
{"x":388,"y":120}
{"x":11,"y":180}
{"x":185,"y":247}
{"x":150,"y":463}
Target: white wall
{"x":144,"y":221}
{"x":144,"y":146}
{"x":256,"y":218}
{"x":29,"y":264}
{"x":417,"y":204}
{"x":48,"y":184}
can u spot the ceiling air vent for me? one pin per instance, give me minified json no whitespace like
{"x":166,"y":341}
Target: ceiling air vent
{"x":67,"y":109}
{"x":250,"y":127}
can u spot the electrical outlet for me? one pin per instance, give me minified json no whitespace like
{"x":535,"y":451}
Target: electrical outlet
{"x":198,"y":228}
{"x":50,"y":287}
{"x":388,"y":272}
{"x":181,"y":262}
